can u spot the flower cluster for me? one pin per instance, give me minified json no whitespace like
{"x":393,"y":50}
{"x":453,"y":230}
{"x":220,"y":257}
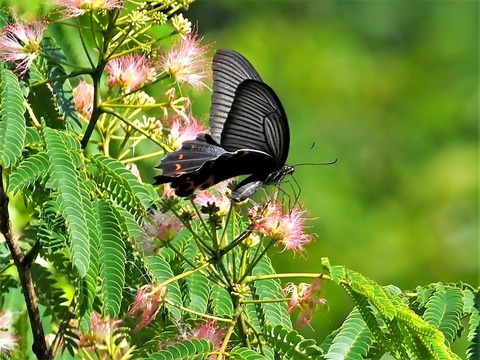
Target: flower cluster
{"x":147,"y":302}
{"x":103,"y":332}
{"x":129,"y":72}
{"x":181,"y":131}
{"x":185,"y":62}
{"x":20,"y":44}
{"x":83,"y":99}
{"x":286,"y":229}
{"x":306,"y":297}
{"x":217,"y":195}
{"x":160,"y":228}
{"x":75,"y":8}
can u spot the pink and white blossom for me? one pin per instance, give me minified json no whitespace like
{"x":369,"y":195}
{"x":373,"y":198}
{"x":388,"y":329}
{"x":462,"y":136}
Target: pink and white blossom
{"x":147,"y":302}
{"x":20,"y":43}
{"x":74,"y":8}
{"x":8,"y":340}
{"x":83,"y":98}
{"x":307,"y":298}
{"x":218,"y":195}
{"x":186,"y":61}
{"x":286,"y":229}
{"x":129,"y":72}
{"x":181,"y":131}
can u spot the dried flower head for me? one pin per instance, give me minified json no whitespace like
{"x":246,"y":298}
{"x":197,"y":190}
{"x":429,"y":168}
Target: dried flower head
{"x":7,"y":340}
{"x":307,"y":298}
{"x":210,"y":332}
{"x":74,"y":8}
{"x":129,"y":72}
{"x":181,"y":131}
{"x":102,"y":334}
{"x":20,"y":43}
{"x":148,"y":301}
{"x":162,"y":226}
{"x":286,"y":229}
{"x":83,"y":98}
{"x":186,"y":62}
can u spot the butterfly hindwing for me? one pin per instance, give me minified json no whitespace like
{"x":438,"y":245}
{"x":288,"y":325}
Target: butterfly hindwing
{"x":191,"y":156}
{"x":230,"y":69}
{"x":257,"y":121}
{"x":219,"y":168}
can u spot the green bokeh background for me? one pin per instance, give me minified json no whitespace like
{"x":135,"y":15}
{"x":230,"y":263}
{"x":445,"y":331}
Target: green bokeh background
{"x":391,"y":90}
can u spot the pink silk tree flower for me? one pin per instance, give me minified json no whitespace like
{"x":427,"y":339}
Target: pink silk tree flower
{"x":307,"y":298}
{"x":7,"y":340}
{"x":20,"y":44}
{"x":83,"y":98}
{"x":74,"y":8}
{"x":147,"y":302}
{"x":286,"y":229}
{"x":129,"y":72}
{"x":186,"y":62}
{"x":181,"y":131}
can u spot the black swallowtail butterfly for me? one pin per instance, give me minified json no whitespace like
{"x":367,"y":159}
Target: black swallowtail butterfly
{"x":249,"y":135}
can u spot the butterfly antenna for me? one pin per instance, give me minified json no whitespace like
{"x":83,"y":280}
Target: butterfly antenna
{"x":316,"y":164}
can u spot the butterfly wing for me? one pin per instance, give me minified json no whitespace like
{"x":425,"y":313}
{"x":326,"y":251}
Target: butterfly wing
{"x":205,"y":173}
{"x":257,"y":121}
{"x":191,"y":156}
{"x":230,"y":69}
{"x":249,"y":134}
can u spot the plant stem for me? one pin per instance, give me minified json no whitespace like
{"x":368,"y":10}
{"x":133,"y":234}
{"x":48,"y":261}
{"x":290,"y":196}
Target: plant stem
{"x":23,"y":264}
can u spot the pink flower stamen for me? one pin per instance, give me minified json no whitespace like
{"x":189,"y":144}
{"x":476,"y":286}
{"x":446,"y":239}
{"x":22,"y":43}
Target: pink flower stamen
{"x":83,"y":98}
{"x":129,"y":72}
{"x":20,"y":44}
{"x":186,"y":62}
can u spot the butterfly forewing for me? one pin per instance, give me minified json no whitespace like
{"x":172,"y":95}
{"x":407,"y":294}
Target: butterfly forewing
{"x":257,"y":121}
{"x":230,"y":69}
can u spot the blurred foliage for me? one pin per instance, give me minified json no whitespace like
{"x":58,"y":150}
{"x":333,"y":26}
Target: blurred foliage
{"x":391,"y":90}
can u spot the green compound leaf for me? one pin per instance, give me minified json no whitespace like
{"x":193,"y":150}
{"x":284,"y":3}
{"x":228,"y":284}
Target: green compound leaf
{"x":274,"y":313}
{"x":121,"y":185}
{"x":188,"y":349}
{"x":12,"y":121}
{"x":241,"y":353}
{"x":444,"y":311}
{"x":473,"y":351}
{"x":112,"y":257}
{"x":61,"y":84}
{"x":67,"y":185}
{"x":28,"y":171}
{"x":352,"y":341}
{"x":221,"y":302}
{"x":291,"y":345}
